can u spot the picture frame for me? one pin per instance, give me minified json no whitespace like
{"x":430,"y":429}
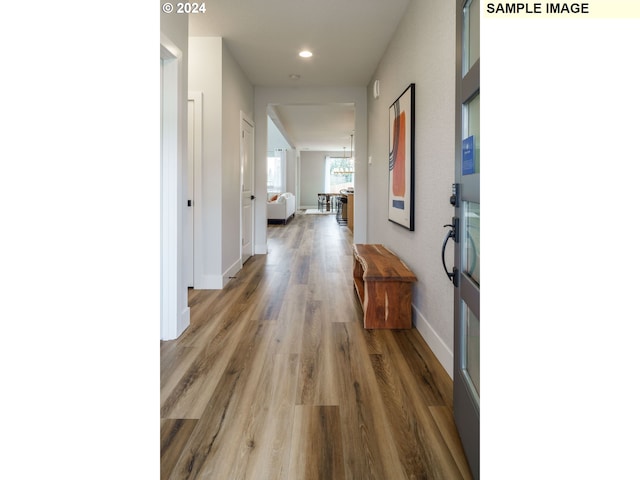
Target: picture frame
{"x":402,"y":159}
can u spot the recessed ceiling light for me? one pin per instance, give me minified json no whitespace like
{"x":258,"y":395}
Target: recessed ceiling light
{"x":294,"y":76}
{"x":305,"y":54}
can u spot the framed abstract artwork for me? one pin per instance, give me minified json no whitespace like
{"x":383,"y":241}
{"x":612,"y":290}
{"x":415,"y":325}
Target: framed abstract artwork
{"x":401,"y":159}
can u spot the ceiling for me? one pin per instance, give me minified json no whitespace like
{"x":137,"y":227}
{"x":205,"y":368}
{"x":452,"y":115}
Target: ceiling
{"x":347,"y":38}
{"x":316,"y":127}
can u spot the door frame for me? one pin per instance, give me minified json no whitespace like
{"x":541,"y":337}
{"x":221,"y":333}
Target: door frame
{"x":244,"y":119}
{"x":466,"y":404}
{"x":174,"y":309}
{"x":198,"y":274}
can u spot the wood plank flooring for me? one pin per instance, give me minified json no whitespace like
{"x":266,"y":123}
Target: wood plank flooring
{"x":277,"y":379}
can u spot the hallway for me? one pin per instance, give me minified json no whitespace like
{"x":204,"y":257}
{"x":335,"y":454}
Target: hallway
{"x":276,"y":378}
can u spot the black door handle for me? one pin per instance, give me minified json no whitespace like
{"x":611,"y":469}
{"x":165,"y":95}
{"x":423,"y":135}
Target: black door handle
{"x":253,"y":197}
{"x":452,"y":233}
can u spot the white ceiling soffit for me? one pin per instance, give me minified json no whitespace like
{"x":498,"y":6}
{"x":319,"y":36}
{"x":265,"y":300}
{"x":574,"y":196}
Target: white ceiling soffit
{"x":347,"y":38}
{"x":316,"y":127}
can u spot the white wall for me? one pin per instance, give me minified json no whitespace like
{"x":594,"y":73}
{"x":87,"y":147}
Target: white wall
{"x":312,"y":176}
{"x":226,"y":92}
{"x":237,"y":96}
{"x":421,"y":52}
{"x":205,"y":75}
{"x":292,"y":174}
{"x":275,"y":139}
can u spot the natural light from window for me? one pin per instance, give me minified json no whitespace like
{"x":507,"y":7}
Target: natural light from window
{"x":275,"y":174}
{"x":339,"y":174}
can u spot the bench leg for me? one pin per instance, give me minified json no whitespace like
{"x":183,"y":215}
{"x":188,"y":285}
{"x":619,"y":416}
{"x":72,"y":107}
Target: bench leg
{"x":387,"y":305}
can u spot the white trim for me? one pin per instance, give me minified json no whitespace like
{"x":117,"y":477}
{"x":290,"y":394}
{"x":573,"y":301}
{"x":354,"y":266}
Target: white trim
{"x":436,"y":344}
{"x":170,"y":56}
{"x":231,"y":271}
{"x":211,"y":282}
{"x":218,"y":282}
{"x":261,"y":249}
{"x":168,"y":49}
{"x":183,"y":321}
{"x":174,"y":308}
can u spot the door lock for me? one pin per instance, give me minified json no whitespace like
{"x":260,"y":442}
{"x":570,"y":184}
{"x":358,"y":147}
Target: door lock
{"x":453,"y":199}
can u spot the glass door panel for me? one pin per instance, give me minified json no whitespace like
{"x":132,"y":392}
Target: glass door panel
{"x":471,"y":40}
{"x":472,"y":240}
{"x":471,"y":130}
{"x":471,"y":362}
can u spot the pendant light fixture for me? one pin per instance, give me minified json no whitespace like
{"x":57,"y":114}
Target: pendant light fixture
{"x":347,"y":161}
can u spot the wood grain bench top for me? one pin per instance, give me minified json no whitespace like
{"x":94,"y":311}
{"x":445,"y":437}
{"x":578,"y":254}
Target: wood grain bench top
{"x":379,"y":264}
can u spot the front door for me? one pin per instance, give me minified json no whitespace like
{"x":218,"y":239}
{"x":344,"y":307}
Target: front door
{"x":246,"y":175}
{"x":466,"y":380}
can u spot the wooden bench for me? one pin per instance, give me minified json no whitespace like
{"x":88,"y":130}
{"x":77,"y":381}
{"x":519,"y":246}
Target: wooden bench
{"x":383,"y":283}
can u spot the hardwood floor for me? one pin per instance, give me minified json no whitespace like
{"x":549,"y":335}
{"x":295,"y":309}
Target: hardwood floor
{"x":277,"y":379}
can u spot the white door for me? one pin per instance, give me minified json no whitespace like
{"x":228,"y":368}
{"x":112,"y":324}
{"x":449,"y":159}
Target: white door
{"x":188,"y":216}
{"x":246,"y":178}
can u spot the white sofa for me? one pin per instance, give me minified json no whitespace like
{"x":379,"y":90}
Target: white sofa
{"x":281,"y":207}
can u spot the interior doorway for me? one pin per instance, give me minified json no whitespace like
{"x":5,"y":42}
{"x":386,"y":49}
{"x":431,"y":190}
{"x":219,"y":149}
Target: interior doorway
{"x":193,"y":205}
{"x":246,"y":175}
{"x":188,"y":235}
{"x":316,"y":131}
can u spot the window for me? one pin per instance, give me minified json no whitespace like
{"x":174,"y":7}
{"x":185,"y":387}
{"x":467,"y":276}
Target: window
{"x":339,"y":173}
{"x":276,"y":172}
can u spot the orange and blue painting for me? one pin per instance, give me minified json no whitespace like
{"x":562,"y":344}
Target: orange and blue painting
{"x":401,"y":159}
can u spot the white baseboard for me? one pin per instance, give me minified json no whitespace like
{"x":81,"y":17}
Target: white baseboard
{"x":209,"y":282}
{"x":231,"y":271}
{"x":437,"y":346}
{"x":218,"y":282}
{"x":260,"y":249}
{"x":174,"y":330}
{"x":183,"y":321}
